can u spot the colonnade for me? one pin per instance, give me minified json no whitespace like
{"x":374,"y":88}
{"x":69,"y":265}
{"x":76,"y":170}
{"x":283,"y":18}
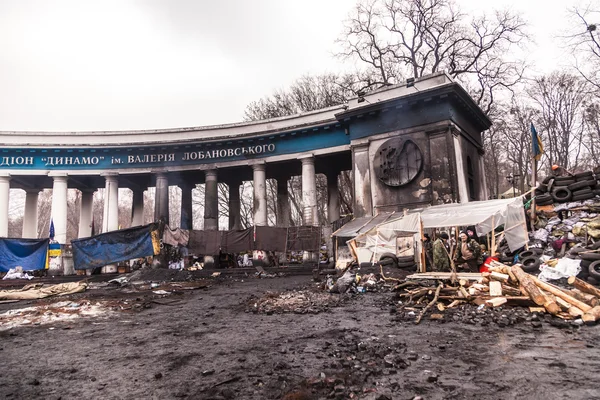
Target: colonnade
{"x":110,"y":219}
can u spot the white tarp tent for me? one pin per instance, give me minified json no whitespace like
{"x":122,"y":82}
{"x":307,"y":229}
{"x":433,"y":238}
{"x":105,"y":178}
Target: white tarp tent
{"x":484,"y":215}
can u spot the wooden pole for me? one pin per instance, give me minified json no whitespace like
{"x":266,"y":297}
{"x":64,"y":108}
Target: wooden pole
{"x":534,"y":292}
{"x":423,"y":266}
{"x":559,"y":293}
{"x":533,"y":185}
{"x":584,"y":286}
{"x":493,"y":250}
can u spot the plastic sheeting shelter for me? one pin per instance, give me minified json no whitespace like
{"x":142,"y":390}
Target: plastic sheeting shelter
{"x":353,"y":228}
{"x":484,"y":215}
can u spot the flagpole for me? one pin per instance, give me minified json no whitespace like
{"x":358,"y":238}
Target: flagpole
{"x":533,"y":185}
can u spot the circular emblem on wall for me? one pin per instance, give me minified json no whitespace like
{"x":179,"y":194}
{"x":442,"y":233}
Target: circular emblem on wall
{"x":398,"y":161}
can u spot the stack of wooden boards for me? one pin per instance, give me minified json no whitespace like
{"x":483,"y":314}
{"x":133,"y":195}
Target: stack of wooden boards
{"x":503,"y":285}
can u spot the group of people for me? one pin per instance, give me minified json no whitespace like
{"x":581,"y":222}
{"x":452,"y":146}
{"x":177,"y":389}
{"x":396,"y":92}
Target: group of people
{"x":467,"y":255}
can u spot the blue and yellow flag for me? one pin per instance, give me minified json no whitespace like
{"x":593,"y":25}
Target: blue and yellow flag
{"x":538,"y":147}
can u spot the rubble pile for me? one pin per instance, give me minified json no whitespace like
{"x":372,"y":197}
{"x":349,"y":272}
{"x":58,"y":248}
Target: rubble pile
{"x":503,"y":286}
{"x":296,"y":301}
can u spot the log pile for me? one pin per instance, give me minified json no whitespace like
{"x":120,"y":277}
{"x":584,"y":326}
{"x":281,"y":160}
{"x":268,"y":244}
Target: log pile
{"x":502,"y":286}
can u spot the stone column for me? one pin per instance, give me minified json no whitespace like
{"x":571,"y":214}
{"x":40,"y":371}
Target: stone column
{"x":137,"y":207}
{"x":186,"y":206}
{"x":30,"y":215}
{"x":461,"y":178}
{"x":59,"y":207}
{"x":283,"y":203}
{"x":161,"y":198}
{"x":361,"y":181}
{"x":110,"y":220}
{"x":309,"y":201}
{"x":260,"y":194}
{"x":235,"y":220}
{"x":86,"y":214}
{"x":333,"y":194}
{"x":484,"y":193}
{"x":211,"y":201}
{"x":310,"y":216}
{"x":4,"y":199}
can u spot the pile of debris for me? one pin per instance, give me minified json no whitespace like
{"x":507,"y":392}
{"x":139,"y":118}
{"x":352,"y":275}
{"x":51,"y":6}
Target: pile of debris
{"x":503,"y":285}
{"x":296,"y":301}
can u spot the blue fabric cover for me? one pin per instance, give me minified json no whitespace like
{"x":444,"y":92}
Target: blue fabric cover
{"x":113,"y":247}
{"x":28,"y":253}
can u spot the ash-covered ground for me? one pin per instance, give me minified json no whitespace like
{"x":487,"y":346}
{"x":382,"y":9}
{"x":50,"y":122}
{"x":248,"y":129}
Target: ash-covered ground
{"x":282,"y":338}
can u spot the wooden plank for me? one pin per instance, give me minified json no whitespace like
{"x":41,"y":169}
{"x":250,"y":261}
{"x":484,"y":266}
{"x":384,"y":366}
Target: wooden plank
{"x":496,"y":302}
{"x":497,"y":276}
{"x":537,"y":309}
{"x":495,"y":288}
{"x":471,"y":276}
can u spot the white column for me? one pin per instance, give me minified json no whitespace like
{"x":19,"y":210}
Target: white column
{"x":310,"y":216}
{"x":260,"y":194}
{"x":484,"y":194}
{"x":211,"y":201}
{"x":161,"y":198}
{"x":463,"y":190}
{"x":110,"y":220}
{"x":137,"y":208}
{"x":59,"y":207}
{"x":333,"y":205}
{"x":4,"y":198}
{"x":86,"y":214}
{"x":30,"y":215}
{"x":361,"y":181}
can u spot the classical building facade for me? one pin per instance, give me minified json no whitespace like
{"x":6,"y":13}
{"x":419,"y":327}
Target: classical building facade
{"x":407,"y":145}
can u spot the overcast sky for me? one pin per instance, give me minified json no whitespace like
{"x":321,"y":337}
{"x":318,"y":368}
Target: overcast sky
{"x":123,"y":64}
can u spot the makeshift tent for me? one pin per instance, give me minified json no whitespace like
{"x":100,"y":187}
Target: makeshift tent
{"x":27,"y":253}
{"x":383,"y":238}
{"x":484,"y":215}
{"x":112,"y":247}
{"x":350,"y":230}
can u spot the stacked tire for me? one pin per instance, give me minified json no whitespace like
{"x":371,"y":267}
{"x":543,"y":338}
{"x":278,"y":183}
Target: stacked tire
{"x":530,"y":260}
{"x":590,"y":262}
{"x":562,"y":189}
{"x":403,"y":262}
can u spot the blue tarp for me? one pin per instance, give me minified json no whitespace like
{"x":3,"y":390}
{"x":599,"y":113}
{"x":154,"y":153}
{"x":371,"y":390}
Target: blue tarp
{"x":28,"y":253}
{"x":112,"y":247}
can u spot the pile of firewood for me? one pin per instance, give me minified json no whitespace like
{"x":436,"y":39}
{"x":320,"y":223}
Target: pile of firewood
{"x":504,"y":284}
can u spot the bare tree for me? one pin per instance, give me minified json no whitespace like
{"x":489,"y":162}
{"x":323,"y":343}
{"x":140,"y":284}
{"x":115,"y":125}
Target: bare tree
{"x":518,"y":140}
{"x":306,"y":94}
{"x":591,"y":120}
{"x":396,"y":38}
{"x":584,"y":42}
{"x":561,"y":100}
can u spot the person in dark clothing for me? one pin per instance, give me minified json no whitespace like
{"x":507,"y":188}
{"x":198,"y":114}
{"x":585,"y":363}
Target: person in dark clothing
{"x":441,"y":259}
{"x":468,"y":253}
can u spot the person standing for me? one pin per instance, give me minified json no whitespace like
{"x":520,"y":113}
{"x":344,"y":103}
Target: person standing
{"x":468,"y":253}
{"x":441,"y":259}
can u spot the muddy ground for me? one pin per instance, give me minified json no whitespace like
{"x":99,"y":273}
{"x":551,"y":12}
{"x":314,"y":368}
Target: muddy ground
{"x":228,"y":341}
